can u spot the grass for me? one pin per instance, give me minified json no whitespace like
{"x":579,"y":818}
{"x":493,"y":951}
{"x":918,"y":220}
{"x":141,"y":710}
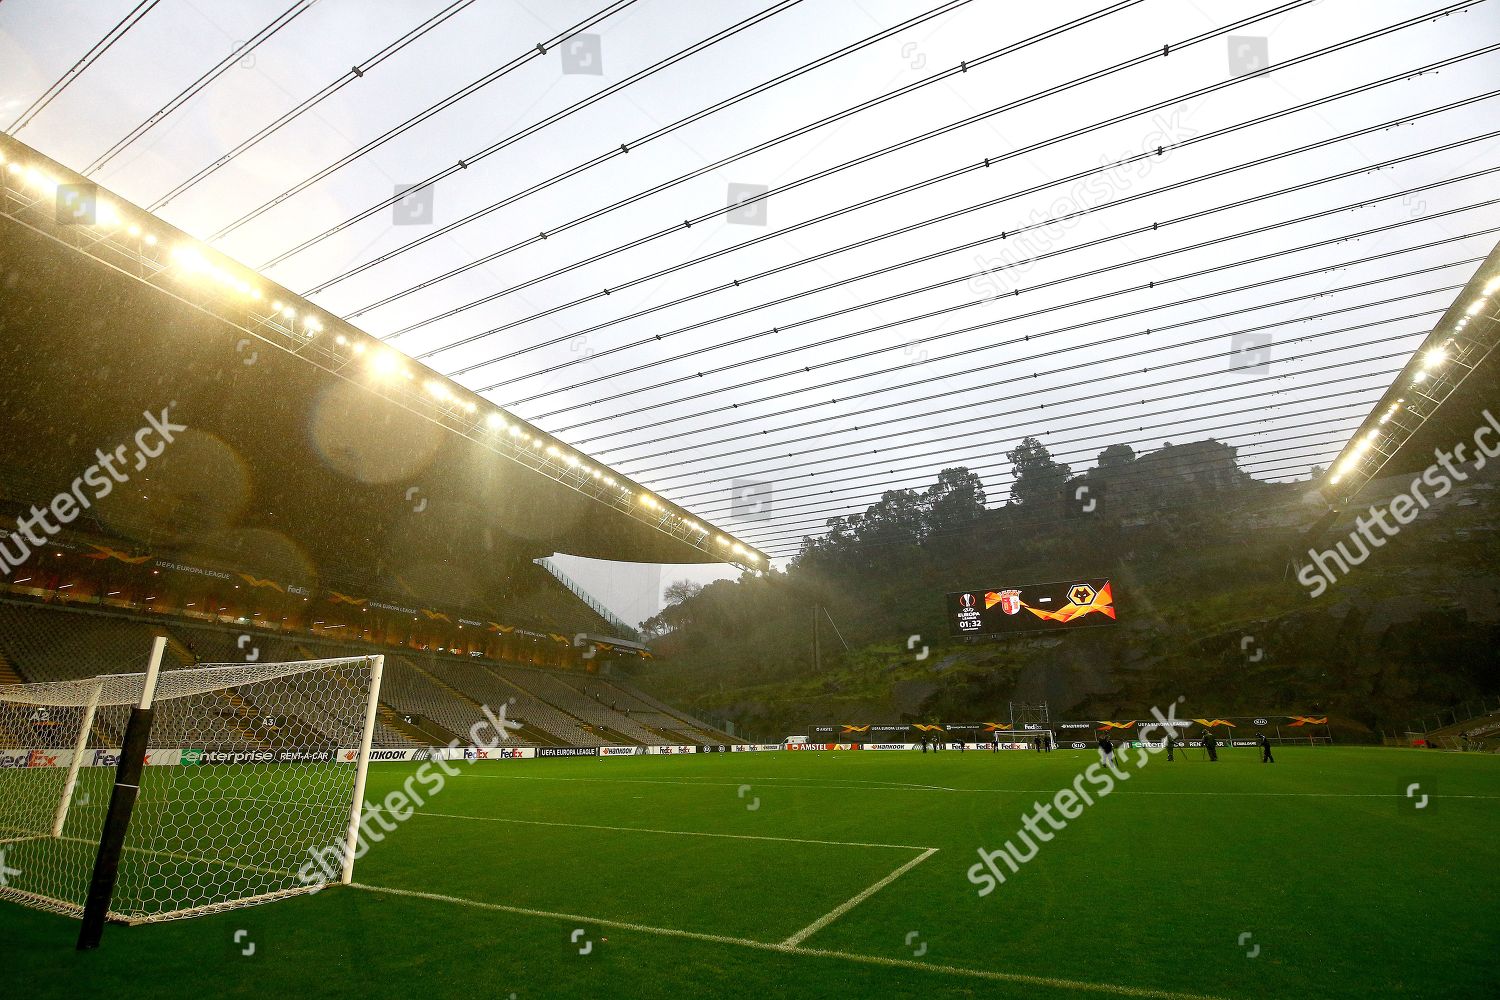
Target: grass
{"x":1345,"y":888}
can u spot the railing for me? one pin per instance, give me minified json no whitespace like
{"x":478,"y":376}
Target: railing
{"x":1471,"y":709}
{"x":626,"y":631}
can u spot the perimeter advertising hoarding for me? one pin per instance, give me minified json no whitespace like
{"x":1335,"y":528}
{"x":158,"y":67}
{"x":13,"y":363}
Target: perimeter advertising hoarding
{"x":1036,"y":607}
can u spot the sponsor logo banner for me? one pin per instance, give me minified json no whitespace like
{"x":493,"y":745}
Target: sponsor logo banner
{"x":619,"y":751}
{"x":35,"y":758}
{"x":484,"y":753}
{"x":306,"y":756}
{"x":107,"y":757}
{"x":350,"y":755}
{"x":888,"y":746}
{"x":231,"y":756}
{"x":744,"y":747}
{"x":567,"y":751}
{"x":672,"y":749}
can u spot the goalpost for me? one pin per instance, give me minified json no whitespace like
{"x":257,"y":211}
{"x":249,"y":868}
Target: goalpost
{"x":177,"y":793}
{"x":1020,"y":739}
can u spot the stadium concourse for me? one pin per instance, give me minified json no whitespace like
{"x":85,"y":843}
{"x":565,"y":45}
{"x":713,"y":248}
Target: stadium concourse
{"x":347,"y":349}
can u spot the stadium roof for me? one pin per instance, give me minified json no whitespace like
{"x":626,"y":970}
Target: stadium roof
{"x":1443,"y":395}
{"x":771,"y":260}
{"x":99,"y":287}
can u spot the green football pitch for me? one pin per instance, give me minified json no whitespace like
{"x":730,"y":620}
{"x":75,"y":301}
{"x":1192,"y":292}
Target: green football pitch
{"x":843,"y":874}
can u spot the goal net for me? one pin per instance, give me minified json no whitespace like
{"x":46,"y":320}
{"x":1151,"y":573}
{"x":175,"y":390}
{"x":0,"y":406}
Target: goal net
{"x":1023,"y":739}
{"x":244,"y":783}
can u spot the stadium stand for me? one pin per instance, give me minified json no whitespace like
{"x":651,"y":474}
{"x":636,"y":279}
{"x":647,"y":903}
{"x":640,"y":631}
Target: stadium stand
{"x":1474,"y":732}
{"x":206,"y":644}
{"x":426,"y":698}
{"x":492,"y":687}
{"x":413,"y":691}
{"x":8,"y":673}
{"x":618,"y":626}
{"x":656,"y":714}
{"x":671,"y":728}
{"x":52,"y":644}
{"x":600,"y":713}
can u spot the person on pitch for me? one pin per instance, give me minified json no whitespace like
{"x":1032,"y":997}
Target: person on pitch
{"x":1106,"y":750}
{"x":1265,"y":749}
{"x":1171,"y":744}
{"x":924,"y":742}
{"x":1210,"y":745}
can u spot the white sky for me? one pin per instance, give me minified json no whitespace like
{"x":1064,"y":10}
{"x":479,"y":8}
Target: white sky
{"x":667,"y":441}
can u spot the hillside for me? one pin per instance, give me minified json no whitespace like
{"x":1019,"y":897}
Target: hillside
{"x":1210,"y":609}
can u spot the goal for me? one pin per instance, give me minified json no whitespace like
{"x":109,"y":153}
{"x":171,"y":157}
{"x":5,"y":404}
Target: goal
{"x":177,"y":793}
{"x":1024,"y":739}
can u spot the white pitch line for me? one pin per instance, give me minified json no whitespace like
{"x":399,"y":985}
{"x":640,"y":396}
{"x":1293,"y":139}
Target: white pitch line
{"x":944,"y":788}
{"x":706,"y":784}
{"x":176,"y":856}
{"x":853,"y":781}
{"x":1074,"y":985}
{"x":1313,"y":795}
{"x":676,"y":833}
{"x":572,"y":918}
{"x":854,"y":901}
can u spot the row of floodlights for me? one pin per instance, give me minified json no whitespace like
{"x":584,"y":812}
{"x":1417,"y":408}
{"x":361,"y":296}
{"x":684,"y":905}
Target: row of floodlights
{"x":1432,"y":361}
{"x":103,"y":213}
{"x":382,"y":363}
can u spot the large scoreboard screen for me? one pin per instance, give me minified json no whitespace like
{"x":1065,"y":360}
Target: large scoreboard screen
{"x":1041,"y":606}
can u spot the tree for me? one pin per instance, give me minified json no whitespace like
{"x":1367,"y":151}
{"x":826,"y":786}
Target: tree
{"x":898,"y":517}
{"x":678,"y":611}
{"x":1116,"y":456}
{"x":679,"y":591}
{"x":954,"y":501}
{"x":1038,"y":479}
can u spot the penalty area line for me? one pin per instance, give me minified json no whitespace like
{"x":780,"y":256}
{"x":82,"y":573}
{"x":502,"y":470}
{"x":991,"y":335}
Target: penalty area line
{"x":1235,"y":793}
{"x":675,"y":833}
{"x":854,"y":901}
{"x":1074,"y":985}
{"x":689,"y":783}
